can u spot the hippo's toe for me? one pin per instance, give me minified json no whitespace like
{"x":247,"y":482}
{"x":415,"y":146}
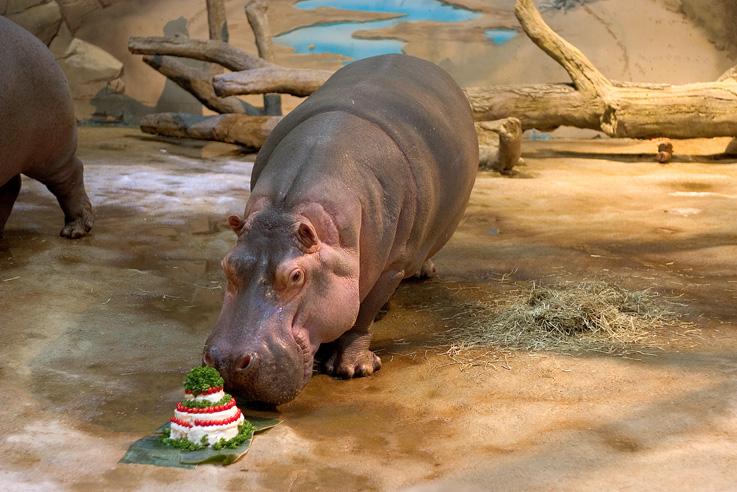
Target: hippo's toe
{"x":350,"y":364}
{"x":78,"y":226}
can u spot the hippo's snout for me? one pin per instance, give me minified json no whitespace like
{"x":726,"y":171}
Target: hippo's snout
{"x":239,"y":364}
{"x":273,"y":376}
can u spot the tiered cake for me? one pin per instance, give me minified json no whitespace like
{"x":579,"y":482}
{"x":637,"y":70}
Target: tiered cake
{"x":207,"y":414}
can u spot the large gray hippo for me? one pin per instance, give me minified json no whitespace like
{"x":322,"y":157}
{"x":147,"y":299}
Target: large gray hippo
{"x":38,"y":131}
{"x":355,"y":190}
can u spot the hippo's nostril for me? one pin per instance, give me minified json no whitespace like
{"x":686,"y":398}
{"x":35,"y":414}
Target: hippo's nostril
{"x":244,"y":362}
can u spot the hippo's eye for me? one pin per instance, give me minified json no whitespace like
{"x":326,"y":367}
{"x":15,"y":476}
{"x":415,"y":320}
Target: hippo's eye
{"x":296,"y":277}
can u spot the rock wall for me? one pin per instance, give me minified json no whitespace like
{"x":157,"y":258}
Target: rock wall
{"x":718,"y":18}
{"x":90,"y":69}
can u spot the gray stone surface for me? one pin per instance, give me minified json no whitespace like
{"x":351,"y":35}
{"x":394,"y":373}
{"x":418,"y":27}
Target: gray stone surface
{"x":74,"y":11}
{"x":16,"y":6}
{"x":89,"y":68}
{"x":42,"y":20}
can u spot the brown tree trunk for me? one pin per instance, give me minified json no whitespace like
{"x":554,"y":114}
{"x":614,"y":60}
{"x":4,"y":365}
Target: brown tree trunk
{"x":240,"y":129}
{"x":217,"y":21}
{"x":259,"y":21}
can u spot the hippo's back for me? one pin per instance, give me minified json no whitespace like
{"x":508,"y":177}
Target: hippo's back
{"x":414,"y":101}
{"x":37,"y":124}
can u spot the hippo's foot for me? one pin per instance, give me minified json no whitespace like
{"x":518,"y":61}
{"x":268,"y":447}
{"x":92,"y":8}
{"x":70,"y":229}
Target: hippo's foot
{"x":347,"y":365}
{"x":349,"y":357}
{"x":80,"y":225}
{"x":427,"y":271}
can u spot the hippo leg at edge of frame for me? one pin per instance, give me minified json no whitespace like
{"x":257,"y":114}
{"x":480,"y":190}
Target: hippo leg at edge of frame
{"x":69,"y":191}
{"x":8,"y":193}
{"x":349,"y":355}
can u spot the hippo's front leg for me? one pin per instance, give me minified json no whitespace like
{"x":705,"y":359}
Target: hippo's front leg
{"x":349,"y":355}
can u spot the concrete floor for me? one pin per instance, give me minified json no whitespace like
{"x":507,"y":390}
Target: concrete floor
{"x":98,"y":333}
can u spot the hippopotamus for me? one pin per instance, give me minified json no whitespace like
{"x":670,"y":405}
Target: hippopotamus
{"x":38,"y":130}
{"x":354,"y":190}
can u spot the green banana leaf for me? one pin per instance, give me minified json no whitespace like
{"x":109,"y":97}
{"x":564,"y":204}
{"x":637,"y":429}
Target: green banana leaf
{"x":152,"y":451}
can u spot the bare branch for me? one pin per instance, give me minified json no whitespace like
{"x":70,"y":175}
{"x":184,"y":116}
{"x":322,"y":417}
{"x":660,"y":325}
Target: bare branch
{"x":240,"y":129}
{"x":209,"y":51}
{"x":296,"y":81}
{"x":217,"y":22}
{"x":584,"y":75}
{"x":259,"y":21}
{"x":198,"y":83}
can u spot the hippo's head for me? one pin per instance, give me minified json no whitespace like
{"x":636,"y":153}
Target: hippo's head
{"x":290,"y":287}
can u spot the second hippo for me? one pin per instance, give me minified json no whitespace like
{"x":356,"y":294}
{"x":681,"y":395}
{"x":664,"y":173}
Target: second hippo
{"x":38,"y":131}
{"x":354,"y":190}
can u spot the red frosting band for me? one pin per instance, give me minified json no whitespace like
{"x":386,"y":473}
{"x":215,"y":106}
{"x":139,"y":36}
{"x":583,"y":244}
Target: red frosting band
{"x":218,"y":408}
{"x":181,"y":422}
{"x":208,"y":391}
{"x":208,"y":423}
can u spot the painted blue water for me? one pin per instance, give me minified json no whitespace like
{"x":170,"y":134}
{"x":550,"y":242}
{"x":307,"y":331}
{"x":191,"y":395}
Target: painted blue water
{"x":337,"y":38}
{"x":412,"y":10}
{"x":500,"y":36}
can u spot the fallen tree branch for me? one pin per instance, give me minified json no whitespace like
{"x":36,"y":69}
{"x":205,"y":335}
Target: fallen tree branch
{"x":259,"y":21}
{"x":239,"y":129}
{"x":197,"y":83}
{"x":209,"y":51}
{"x":502,"y":152}
{"x":299,"y":82}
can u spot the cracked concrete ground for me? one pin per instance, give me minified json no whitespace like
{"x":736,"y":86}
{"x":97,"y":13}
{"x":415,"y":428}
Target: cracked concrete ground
{"x":97,"y":333}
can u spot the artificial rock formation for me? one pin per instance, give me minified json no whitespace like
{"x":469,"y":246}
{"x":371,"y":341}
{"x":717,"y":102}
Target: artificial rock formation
{"x":89,"y":68}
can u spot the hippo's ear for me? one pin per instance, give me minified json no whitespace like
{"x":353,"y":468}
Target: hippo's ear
{"x":236,"y":223}
{"x":307,"y":237}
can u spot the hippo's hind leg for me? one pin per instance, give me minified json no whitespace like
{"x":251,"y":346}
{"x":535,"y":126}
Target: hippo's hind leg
{"x":349,"y":356}
{"x":68,"y":187}
{"x":8,"y":193}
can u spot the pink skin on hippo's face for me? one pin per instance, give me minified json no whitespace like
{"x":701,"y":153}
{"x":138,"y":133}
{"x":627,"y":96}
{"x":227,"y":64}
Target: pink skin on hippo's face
{"x":287,"y":292}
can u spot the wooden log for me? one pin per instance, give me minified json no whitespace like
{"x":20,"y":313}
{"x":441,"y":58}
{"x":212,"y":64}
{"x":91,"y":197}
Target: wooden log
{"x":239,"y":129}
{"x":259,"y":21}
{"x":217,"y":22}
{"x":209,"y":51}
{"x":197,"y":83}
{"x":299,"y":82}
{"x":500,"y":144}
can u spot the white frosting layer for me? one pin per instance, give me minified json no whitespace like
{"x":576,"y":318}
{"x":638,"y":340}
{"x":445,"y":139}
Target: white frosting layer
{"x":213,"y":398}
{"x":191,"y":417}
{"x":213,"y":432}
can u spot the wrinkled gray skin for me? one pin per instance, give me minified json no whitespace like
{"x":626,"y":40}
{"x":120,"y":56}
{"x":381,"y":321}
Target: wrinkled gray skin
{"x":38,"y":131}
{"x":353,"y":191}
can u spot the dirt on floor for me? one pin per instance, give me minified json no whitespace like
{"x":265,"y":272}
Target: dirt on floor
{"x":97,"y":333}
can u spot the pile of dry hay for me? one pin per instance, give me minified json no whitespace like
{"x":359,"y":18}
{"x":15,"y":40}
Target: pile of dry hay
{"x":590,"y":315}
